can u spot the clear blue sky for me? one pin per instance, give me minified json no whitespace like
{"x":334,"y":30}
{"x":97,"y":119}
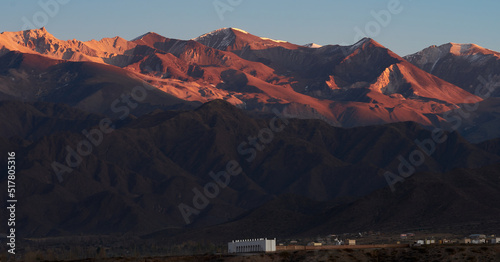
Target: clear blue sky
{"x":421,"y":22}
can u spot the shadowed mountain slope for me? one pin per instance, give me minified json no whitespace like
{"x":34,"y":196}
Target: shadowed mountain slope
{"x":135,"y":179}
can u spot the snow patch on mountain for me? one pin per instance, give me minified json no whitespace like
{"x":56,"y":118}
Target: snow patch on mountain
{"x":277,"y":41}
{"x":240,"y":30}
{"x":313,"y":45}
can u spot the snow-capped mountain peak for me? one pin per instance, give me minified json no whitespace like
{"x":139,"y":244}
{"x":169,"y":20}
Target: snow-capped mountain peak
{"x":219,"y":39}
{"x":228,"y":39}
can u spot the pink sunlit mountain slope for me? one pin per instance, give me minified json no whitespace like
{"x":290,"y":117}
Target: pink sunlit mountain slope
{"x":362,"y":84}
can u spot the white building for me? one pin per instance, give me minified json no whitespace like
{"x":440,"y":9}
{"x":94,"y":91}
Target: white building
{"x":252,"y":245}
{"x":478,"y":238}
{"x":478,"y":241}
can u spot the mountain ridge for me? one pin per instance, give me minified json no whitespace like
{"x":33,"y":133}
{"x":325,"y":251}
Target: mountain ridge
{"x":362,"y":84}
